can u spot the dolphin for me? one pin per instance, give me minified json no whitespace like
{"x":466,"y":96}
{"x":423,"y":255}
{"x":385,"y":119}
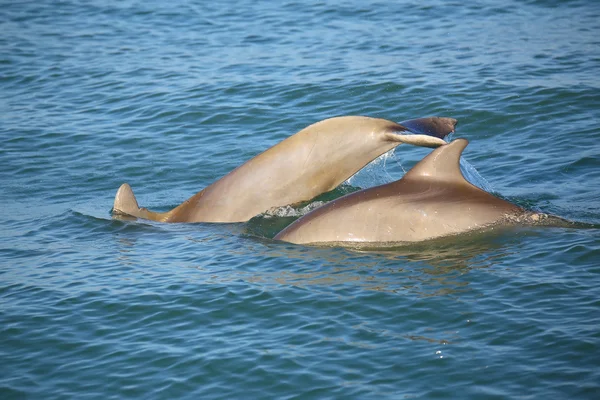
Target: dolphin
{"x":313,"y":161}
{"x":431,"y":200}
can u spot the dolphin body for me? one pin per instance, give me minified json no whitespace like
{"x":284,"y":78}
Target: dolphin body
{"x":432,"y":200}
{"x":313,"y":161}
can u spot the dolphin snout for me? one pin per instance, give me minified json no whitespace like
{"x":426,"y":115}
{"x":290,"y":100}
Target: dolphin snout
{"x":449,"y":123}
{"x":439,"y":127}
{"x":426,"y":132}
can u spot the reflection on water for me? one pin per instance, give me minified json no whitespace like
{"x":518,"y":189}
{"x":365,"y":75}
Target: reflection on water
{"x":435,"y":268}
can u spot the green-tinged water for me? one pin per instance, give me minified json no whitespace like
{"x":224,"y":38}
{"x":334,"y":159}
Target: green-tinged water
{"x":170,"y":96}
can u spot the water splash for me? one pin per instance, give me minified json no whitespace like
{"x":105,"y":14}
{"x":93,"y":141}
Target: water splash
{"x":473,"y":176}
{"x":470,"y":172}
{"x":290,"y":211}
{"x":373,"y":174}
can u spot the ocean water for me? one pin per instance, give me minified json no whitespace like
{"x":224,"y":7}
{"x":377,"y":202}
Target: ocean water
{"x":170,"y":96}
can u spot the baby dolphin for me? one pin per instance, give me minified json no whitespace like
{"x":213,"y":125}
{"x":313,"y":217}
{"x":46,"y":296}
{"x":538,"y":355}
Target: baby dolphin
{"x":313,"y":161}
{"x":432,"y":200}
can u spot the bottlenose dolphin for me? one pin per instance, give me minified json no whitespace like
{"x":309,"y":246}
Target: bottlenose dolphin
{"x":432,"y":200}
{"x":313,"y":161}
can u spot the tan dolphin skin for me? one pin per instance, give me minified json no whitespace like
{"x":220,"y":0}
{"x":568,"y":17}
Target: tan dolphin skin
{"x":313,"y":161}
{"x":432,"y":200}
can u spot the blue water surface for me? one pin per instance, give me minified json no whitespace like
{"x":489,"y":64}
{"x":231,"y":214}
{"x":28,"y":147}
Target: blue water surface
{"x":171,"y":96}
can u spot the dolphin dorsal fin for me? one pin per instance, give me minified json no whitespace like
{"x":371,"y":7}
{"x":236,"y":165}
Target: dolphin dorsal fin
{"x":442,"y":164}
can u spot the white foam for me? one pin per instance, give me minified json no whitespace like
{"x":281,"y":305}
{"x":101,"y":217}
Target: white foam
{"x":289,"y":211}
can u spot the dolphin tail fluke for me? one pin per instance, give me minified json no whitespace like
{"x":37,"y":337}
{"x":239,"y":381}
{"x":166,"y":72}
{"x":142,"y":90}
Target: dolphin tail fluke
{"x":126,"y":204}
